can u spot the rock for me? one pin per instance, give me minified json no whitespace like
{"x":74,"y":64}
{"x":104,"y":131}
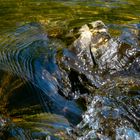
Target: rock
{"x":113,"y":108}
{"x":95,"y":46}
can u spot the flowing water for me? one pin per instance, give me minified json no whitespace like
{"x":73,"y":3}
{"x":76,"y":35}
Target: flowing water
{"x":47,"y":92}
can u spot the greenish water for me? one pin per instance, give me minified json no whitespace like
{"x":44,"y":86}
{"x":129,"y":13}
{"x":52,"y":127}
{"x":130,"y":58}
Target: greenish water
{"x":30,"y":76}
{"x":67,"y":13}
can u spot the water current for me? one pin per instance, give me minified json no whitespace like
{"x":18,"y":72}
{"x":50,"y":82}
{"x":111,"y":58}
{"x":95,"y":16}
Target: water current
{"x":63,"y":76}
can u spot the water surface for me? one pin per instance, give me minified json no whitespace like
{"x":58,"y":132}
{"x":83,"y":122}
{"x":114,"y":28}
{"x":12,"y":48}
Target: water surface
{"x":31,"y":33}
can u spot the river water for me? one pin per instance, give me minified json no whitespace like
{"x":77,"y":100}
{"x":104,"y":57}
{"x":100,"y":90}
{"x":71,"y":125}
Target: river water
{"x":41,"y":94}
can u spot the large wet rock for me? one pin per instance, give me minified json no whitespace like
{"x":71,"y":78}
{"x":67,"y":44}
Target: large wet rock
{"x":113,"y":108}
{"x":96,"y":47}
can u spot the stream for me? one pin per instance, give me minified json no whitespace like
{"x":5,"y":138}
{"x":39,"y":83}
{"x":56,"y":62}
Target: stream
{"x":69,"y":70}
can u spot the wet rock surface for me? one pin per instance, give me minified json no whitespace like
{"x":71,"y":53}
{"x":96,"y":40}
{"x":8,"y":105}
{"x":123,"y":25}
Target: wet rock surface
{"x":112,"y":112}
{"x":93,"y":74}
